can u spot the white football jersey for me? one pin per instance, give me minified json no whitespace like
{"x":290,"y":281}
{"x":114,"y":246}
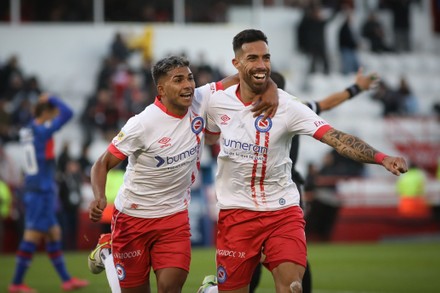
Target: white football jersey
{"x":254,"y":168}
{"x":163,"y":157}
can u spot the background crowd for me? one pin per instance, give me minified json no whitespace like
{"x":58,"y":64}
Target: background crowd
{"x":122,"y":90}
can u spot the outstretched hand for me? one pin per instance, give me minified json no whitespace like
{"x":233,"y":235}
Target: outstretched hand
{"x":96,"y":208}
{"x":395,"y":165}
{"x":366,"y":81}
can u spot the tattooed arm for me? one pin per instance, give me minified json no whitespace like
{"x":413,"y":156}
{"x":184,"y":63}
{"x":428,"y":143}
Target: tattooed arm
{"x":356,"y":149}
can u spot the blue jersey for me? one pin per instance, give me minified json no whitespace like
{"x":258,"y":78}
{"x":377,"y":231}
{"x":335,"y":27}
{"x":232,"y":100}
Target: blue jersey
{"x":38,"y":144}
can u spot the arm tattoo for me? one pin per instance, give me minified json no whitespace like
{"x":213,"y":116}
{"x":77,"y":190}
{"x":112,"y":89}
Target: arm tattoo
{"x":350,"y":146}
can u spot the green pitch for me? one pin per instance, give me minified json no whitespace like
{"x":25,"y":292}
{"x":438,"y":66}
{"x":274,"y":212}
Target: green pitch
{"x":366,"y":268}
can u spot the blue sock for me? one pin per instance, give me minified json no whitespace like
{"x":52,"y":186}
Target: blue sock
{"x":57,"y":258}
{"x":24,"y":258}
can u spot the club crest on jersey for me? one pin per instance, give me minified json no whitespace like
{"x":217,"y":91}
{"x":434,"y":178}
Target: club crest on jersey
{"x":221,"y":275}
{"x":120,"y":271}
{"x":197,"y":125}
{"x":263,"y":126}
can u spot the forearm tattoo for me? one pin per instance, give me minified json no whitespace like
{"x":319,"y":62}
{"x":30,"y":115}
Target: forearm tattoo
{"x":350,"y":146}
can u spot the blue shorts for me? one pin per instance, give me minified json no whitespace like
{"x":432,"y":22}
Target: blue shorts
{"x":40,"y":213}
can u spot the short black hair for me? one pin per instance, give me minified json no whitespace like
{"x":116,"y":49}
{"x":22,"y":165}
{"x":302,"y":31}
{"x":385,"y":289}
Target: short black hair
{"x":42,"y":107}
{"x":165,"y":65}
{"x":279,"y":79}
{"x":247,"y":36}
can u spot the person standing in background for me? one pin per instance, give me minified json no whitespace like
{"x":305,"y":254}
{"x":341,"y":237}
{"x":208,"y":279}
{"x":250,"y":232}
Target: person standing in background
{"x":348,"y":45}
{"x":50,"y":115}
{"x":411,"y":189}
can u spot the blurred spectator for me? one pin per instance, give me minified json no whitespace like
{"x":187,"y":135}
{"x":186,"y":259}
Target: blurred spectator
{"x":348,"y":45}
{"x":401,"y":12}
{"x":391,"y":103}
{"x":436,"y":109}
{"x":9,"y":74}
{"x":311,"y":34}
{"x":84,"y":161}
{"x":435,"y":8}
{"x":119,"y":49}
{"x":147,"y":80}
{"x":398,"y":102}
{"x":134,"y":98}
{"x":105,"y":74}
{"x":5,"y":122}
{"x":63,"y":158}
{"x":372,"y":30}
{"x":411,"y":189}
{"x":410,"y":103}
{"x":100,"y":114}
{"x":10,"y":171}
{"x":5,"y":208}
{"x":320,"y":187}
{"x":70,"y":182}
{"x":23,"y":102}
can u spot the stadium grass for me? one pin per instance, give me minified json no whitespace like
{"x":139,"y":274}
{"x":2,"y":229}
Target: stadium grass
{"x":367,"y":268}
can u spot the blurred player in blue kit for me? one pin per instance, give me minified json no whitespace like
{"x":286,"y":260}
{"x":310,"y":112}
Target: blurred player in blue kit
{"x":50,"y":115}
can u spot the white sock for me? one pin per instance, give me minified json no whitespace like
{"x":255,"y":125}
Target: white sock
{"x":112,"y":277}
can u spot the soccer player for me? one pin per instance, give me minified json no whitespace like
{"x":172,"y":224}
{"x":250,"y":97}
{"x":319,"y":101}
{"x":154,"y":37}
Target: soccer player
{"x":50,"y":115}
{"x":258,"y":201}
{"x":362,"y":82}
{"x":150,"y":226}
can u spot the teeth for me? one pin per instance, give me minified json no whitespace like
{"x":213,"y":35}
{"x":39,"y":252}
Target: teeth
{"x":260,"y":75}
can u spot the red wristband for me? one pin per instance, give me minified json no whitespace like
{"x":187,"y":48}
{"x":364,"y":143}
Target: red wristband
{"x":378,"y":158}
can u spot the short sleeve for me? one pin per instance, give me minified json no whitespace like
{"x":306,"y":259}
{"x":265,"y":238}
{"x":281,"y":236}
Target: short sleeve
{"x":129,"y":139}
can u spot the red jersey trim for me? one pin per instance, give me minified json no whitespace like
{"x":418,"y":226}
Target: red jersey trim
{"x":321,"y":131}
{"x":237,"y":93}
{"x":219,"y":86}
{"x":164,"y":109}
{"x":115,"y":152}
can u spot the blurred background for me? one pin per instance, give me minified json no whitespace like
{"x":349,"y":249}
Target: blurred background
{"x":97,"y":55}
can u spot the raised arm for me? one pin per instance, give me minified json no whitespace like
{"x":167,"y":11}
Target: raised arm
{"x":230,"y":80}
{"x":362,"y":83}
{"x":356,"y":149}
{"x":99,"y":172}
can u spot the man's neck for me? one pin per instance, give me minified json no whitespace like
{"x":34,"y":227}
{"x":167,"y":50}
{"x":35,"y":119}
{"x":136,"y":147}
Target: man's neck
{"x":244,"y":93}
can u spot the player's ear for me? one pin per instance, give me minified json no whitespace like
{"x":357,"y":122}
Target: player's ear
{"x":235,"y":62}
{"x":160,"y":90}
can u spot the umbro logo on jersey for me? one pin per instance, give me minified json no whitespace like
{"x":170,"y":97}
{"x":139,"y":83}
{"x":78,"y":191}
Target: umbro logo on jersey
{"x":164,"y":141}
{"x":225,"y":119}
{"x":263,"y":125}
